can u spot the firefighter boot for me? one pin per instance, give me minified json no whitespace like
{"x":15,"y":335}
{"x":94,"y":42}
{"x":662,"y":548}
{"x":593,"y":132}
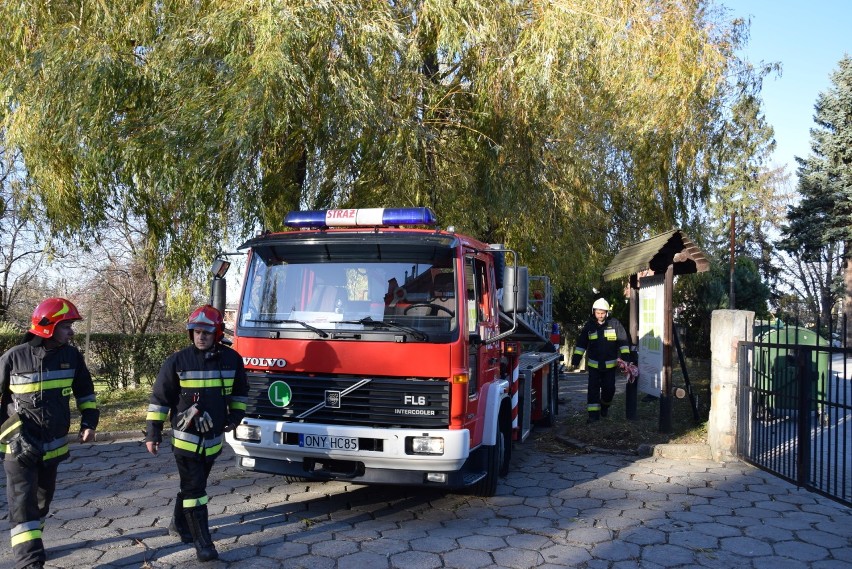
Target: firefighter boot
{"x":178,"y":527}
{"x":196,"y":519}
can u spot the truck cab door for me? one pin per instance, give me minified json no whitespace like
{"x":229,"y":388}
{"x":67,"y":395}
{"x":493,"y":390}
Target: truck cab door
{"x":482,"y":323}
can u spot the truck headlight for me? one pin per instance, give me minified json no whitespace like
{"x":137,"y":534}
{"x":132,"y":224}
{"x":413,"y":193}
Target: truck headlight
{"x":427,"y":445}
{"x":248,"y":433}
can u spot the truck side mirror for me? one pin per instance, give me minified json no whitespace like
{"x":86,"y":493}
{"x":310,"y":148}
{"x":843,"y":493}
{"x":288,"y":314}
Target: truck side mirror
{"x":516,"y":277}
{"x":218,"y":285}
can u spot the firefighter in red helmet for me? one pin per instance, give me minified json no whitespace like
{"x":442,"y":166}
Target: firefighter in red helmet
{"x":37,"y":379}
{"x":202,"y":391}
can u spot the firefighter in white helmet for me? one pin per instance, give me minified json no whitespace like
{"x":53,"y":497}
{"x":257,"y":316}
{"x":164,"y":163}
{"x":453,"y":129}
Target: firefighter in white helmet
{"x":603,"y":341}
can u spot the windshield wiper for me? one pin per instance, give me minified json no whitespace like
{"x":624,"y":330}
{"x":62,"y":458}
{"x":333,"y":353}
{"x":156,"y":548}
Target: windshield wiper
{"x":315,"y":330}
{"x":367,"y":321}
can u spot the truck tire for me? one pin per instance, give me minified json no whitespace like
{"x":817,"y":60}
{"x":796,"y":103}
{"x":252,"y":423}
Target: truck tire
{"x":494,"y":461}
{"x":507,"y":448}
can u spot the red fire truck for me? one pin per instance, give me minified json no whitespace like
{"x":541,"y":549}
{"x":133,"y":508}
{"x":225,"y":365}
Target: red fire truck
{"x":382,"y":350}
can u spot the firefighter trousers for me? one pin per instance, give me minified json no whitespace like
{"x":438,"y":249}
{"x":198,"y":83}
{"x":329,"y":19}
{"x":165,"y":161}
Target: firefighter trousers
{"x":193,"y":472}
{"x":601,"y":392}
{"x":29,"y":491}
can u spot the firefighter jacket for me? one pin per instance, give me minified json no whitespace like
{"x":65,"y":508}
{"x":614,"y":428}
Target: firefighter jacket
{"x":602,"y":344}
{"x":215,"y":381}
{"x":37,"y":384}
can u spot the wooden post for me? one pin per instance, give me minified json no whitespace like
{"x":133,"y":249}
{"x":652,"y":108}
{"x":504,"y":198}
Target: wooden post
{"x":666,"y":395}
{"x":87,"y":353}
{"x":631,"y":391}
{"x":732,"y":293}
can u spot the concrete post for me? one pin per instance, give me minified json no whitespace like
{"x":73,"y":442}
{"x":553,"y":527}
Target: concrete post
{"x":727,"y":329}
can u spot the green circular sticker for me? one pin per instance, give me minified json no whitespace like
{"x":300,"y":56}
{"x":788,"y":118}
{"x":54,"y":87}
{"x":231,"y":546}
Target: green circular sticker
{"x":280,"y":394}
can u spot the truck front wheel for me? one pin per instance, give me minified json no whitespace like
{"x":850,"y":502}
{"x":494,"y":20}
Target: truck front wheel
{"x":494,"y":460}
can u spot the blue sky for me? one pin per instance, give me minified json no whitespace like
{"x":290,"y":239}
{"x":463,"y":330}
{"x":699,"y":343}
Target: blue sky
{"x":808,"y":39}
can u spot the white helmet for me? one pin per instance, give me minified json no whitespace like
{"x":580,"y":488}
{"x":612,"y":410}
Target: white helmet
{"x":600,"y":304}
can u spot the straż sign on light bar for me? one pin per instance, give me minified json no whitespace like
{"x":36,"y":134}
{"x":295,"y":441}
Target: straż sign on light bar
{"x":367,"y":217}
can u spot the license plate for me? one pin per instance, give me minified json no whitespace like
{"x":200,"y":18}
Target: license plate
{"x":328,"y":442}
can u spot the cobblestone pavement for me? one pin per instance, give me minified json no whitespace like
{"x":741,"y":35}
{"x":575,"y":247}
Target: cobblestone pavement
{"x":555,"y":509}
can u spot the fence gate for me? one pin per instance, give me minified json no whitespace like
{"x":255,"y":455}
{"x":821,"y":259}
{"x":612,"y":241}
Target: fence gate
{"x":794,"y":415}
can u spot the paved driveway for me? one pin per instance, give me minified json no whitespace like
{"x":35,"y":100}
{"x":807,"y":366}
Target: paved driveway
{"x":555,"y":509}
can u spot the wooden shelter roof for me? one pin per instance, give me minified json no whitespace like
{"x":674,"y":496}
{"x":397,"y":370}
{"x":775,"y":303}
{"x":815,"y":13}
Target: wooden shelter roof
{"x":656,"y":254}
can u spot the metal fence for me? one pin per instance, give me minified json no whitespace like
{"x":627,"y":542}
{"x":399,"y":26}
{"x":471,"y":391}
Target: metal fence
{"x":794,"y":415}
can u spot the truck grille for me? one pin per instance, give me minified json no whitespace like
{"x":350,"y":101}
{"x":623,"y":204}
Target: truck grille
{"x":414,"y":403}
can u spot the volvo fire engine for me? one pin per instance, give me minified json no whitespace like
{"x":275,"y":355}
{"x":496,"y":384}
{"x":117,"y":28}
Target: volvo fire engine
{"x":382,"y":350}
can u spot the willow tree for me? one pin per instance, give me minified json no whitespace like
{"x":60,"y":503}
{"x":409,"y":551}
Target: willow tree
{"x":561,"y":128}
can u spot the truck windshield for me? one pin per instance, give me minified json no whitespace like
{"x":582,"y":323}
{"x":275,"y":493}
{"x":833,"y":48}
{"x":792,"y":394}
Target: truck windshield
{"x":412,"y":292}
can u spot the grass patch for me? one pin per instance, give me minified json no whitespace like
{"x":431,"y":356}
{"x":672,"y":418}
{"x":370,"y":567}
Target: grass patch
{"x":616,"y":432}
{"x":121,"y":409}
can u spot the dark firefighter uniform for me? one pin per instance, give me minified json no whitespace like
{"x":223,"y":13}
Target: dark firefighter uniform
{"x":602,"y":344}
{"x":36,"y":385}
{"x":215,"y":381}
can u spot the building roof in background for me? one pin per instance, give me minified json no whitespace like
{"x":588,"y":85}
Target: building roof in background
{"x":656,"y":254}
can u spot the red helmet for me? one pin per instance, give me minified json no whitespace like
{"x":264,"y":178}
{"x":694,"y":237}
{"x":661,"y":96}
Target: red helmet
{"x":206,"y":318}
{"x":51,"y":312}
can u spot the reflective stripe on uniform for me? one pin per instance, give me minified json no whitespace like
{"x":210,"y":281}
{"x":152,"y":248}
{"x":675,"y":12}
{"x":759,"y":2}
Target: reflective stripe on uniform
{"x":157,"y":413}
{"x":238,"y":403}
{"x":11,"y":429}
{"x":55,"y":448}
{"x":195,"y":444}
{"x":87,"y":402}
{"x":195,"y":502}
{"x":27,"y":531}
{"x":200,"y":379}
{"x":35,"y":381}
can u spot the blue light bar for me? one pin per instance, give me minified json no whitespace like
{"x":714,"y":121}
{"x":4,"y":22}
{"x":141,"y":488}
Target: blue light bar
{"x":368,"y":217}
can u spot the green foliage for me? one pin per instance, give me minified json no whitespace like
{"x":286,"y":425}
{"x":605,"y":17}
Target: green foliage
{"x":8,"y":328}
{"x":9,"y":340}
{"x":561,"y":129}
{"x":122,"y":361}
{"x":750,"y":292}
{"x":696,"y":297}
{"x":818,"y":231}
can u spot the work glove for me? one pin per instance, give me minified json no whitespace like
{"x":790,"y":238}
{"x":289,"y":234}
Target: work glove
{"x":203,"y":422}
{"x":185,"y":417}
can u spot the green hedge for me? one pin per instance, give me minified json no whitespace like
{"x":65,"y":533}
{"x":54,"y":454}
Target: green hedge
{"x":121,"y":360}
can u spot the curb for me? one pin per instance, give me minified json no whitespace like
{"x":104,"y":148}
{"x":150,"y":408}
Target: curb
{"x":677,"y":451}
{"x":113,"y":436}
{"x":671,"y":451}
{"x":591,"y":448}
